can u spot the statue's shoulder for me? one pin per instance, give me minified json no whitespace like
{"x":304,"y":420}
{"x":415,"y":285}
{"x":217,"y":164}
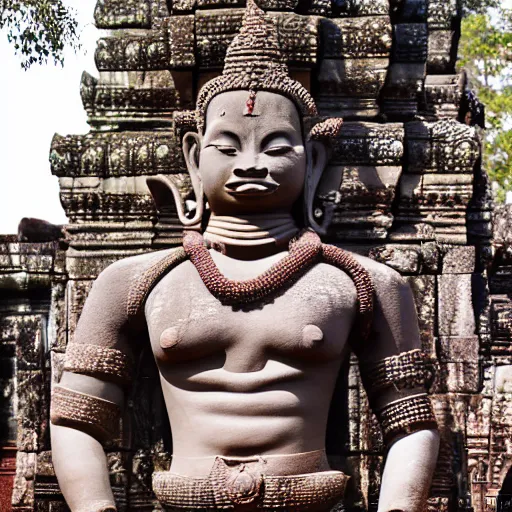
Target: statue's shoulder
{"x":128,"y":281}
{"x":134,"y":266}
{"x":383,"y":277}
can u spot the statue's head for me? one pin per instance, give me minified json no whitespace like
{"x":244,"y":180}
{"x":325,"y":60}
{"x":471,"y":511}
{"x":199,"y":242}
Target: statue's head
{"x":257,"y":149}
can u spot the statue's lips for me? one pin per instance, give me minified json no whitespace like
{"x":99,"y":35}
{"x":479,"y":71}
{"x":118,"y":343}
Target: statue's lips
{"x":249,"y":188}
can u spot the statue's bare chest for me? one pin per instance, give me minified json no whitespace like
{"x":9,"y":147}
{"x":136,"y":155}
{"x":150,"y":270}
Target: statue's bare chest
{"x":308,"y":320}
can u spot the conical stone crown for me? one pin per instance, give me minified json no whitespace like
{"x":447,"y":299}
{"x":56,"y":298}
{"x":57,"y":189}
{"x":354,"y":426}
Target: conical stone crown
{"x":255,"y":62}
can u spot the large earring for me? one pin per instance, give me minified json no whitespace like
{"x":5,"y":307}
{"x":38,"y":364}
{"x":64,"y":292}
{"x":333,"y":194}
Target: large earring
{"x":314,"y":170}
{"x":197,"y":187}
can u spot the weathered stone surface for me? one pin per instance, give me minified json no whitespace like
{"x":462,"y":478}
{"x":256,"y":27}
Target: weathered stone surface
{"x":29,"y":413}
{"x":215,"y":29}
{"x":369,"y":144}
{"x":424,"y":291}
{"x":446,"y":190}
{"x":77,"y":293}
{"x":57,"y":326}
{"x":403,"y":90}
{"x":456,"y":316}
{"x":359,"y":198}
{"x":458,"y":260}
{"x":128,"y":97}
{"x":444,"y":94}
{"x":410,"y":42}
{"x":122,"y":14}
{"x":442,"y":53}
{"x":457,"y":349}
{"x":442,"y":14}
{"x":460,"y":377}
{"x":169,"y":46}
{"x":116,"y":154}
{"x":350,"y":87}
{"x":441,"y":147}
{"x":351,"y":38}
{"x":23,"y":494}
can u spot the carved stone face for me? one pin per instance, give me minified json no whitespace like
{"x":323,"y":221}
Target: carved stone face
{"x":249,"y":164}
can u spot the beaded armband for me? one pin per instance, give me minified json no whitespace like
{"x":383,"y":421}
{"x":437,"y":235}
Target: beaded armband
{"x":96,"y":361}
{"x":403,"y":371}
{"x":95,"y":416}
{"x":406,"y":416}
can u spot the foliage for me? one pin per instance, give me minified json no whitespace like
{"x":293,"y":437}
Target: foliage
{"x":485,"y":52}
{"x":39,"y":29}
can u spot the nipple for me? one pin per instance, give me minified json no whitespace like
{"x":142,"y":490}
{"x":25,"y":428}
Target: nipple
{"x":311,"y":335}
{"x":170,"y":337}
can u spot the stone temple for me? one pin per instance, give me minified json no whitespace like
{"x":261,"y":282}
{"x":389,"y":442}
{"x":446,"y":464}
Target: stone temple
{"x":405,"y":186}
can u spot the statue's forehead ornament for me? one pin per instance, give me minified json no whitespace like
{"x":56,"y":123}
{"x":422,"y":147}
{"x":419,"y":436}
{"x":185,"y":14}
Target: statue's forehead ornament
{"x":254,"y":62}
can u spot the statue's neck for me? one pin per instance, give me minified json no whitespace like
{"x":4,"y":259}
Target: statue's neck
{"x":250,"y":237}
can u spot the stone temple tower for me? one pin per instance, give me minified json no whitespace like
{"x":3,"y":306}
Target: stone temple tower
{"x":404,"y":186}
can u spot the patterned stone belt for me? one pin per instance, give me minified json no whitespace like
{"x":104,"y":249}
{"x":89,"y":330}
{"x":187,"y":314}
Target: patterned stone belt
{"x":254,"y":483}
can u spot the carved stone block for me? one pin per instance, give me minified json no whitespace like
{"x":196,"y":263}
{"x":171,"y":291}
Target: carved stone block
{"x":30,"y":342}
{"x":351,"y":38}
{"x":23,"y":493}
{"x":116,"y":154}
{"x":444,"y":94}
{"x":111,"y":199}
{"x":128,"y":97}
{"x":455,"y":306}
{"x":442,"y":146}
{"x":358,"y":199}
{"x":401,"y":94}
{"x":442,"y":53}
{"x":171,"y":45}
{"x":29,"y":413}
{"x":455,"y":349}
{"x":478,"y":422}
{"x":123,"y":14}
{"x":354,"y":8}
{"x":442,"y":13}
{"x":436,"y":190}
{"x":424,"y":291}
{"x":77,"y":293}
{"x":350,"y":87}
{"x":57,"y":326}
{"x":501,"y":323}
{"x":411,"y":41}
{"x":369,"y":144}
{"x":458,"y":259}
{"x":407,"y":259}
{"x":215,"y":29}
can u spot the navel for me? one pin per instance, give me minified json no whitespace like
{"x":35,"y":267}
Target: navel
{"x":170,"y":337}
{"x":311,"y":335}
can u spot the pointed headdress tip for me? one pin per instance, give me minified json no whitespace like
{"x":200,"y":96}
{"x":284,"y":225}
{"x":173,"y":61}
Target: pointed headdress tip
{"x":255,"y":62}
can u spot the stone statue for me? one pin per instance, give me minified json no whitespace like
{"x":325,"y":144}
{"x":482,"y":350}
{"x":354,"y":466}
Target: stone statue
{"x":249,"y":323}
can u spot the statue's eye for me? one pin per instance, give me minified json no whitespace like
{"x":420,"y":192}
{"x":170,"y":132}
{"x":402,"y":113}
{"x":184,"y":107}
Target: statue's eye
{"x":226,"y":150}
{"x":278,"y":150}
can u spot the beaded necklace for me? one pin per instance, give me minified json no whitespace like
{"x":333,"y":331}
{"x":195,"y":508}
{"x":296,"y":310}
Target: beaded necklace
{"x":304,"y":251}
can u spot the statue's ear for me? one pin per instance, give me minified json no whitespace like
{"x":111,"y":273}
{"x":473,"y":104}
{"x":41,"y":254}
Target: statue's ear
{"x":317,"y":152}
{"x":191,"y":147}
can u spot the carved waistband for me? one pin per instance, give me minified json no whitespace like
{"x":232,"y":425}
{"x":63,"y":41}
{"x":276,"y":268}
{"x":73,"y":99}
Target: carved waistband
{"x":249,"y":484}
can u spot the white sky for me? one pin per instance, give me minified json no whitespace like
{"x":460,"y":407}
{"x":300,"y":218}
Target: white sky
{"x":34,"y":105}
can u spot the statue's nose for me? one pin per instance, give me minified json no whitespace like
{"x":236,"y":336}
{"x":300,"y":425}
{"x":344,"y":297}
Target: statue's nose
{"x":251,"y":172}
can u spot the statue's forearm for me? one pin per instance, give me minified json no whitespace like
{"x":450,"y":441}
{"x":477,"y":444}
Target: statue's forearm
{"x":408,"y":472}
{"x":81,"y":468}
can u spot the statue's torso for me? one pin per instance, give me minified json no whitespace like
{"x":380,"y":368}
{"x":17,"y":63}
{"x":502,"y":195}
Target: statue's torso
{"x":253,"y":380}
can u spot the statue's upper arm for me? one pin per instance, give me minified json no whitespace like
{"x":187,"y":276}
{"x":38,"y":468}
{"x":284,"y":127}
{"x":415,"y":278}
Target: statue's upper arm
{"x":99,"y":359}
{"x":392,"y":365}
